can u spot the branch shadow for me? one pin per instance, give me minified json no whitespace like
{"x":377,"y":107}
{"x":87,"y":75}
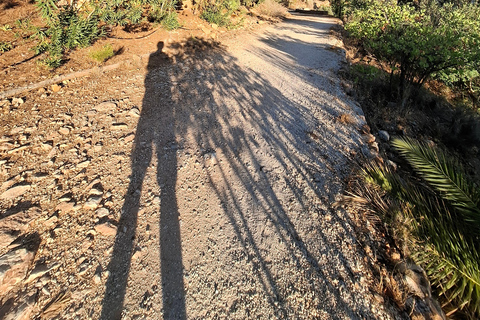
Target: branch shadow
{"x":254,"y":144}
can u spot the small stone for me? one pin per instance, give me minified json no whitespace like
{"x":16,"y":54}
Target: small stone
{"x":119,"y":126}
{"x":64,"y":131}
{"x":369,"y":138}
{"x":106,"y":229}
{"x":15,"y":192}
{"x":83,"y":164}
{"x":55,"y":87}
{"x":106,"y":106}
{"x":17,"y":101}
{"x":65,"y":207}
{"x":383,"y":135}
{"x":129,"y":137}
{"x":97,"y":279}
{"x":102,"y":212}
{"x":92,"y":202}
{"x":134,"y":112}
{"x":214,"y":26}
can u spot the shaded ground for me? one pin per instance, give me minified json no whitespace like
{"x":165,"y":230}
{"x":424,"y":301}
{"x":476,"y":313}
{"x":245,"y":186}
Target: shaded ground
{"x":217,"y":173}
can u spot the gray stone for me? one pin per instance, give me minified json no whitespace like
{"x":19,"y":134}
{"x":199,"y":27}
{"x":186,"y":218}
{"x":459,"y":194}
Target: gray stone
{"x":383,"y":135}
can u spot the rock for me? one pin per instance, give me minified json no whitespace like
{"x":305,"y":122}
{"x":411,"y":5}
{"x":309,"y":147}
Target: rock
{"x":14,"y":266}
{"x":39,"y":271}
{"x":383,"y":135}
{"x":102,"y":212}
{"x":369,"y":138}
{"x":374,"y":146}
{"x":55,"y":87}
{"x":15,"y":192}
{"x":134,"y":112}
{"x":214,"y":26}
{"x":106,"y":106}
{"x":106,"y":229}
{"x":416,"y":280}
{"x":64,"y":131}
{"x":92,"y":202}
{"x":14,"y":224}
{"x":65,"y":207}
{"x":83,"y":164}
{"x":119,"y":126}
{"x":129,"y":137}
{"x":17,"y":101}
{"x":22,"y":309}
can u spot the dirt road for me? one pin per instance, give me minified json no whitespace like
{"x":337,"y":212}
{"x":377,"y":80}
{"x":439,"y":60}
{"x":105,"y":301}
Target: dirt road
{"x":201,"y":189}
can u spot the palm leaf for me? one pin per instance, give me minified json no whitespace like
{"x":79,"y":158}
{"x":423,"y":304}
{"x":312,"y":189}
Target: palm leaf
{"x":445,"y":175}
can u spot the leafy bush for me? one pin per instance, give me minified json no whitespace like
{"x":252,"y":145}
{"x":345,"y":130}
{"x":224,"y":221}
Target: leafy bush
{"x":418,"y":42}
{"x":443,"y":215}
{"x":170,"y":21}
{"x":216,"y":14}
{"x":75,"y":26}
{"x":66,"y":30}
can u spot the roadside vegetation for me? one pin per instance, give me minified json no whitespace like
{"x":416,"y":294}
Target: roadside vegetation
{"x":415,"y":70}
{"x":67,"y":25}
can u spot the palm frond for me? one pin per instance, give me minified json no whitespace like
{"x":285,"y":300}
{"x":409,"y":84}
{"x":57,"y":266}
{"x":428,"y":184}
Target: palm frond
{"x":445,"y":175}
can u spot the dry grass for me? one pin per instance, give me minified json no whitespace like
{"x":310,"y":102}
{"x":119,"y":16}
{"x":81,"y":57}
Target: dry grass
{"x":272,"y":9}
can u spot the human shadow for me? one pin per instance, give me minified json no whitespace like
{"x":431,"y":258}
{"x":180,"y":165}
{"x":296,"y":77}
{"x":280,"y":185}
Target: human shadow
{"x":150,"y":137}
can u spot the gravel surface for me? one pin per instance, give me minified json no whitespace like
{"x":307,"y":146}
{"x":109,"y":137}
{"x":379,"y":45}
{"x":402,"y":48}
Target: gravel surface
{"x":199,"y":189}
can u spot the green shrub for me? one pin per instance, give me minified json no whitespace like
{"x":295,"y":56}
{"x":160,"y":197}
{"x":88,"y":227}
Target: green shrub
{"x":170,"y":21}
{"x":216,"y":14}
{"x":416,"y":42}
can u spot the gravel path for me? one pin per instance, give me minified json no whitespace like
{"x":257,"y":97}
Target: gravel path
{"x":219,"y":205}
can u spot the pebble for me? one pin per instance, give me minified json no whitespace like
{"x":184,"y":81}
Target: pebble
{"x":65,"y":207}
{"x":64,"y":131}
{"x":14,"y":192}
{"x":92,"y":202}
{"x":106,"y":229}
{"x":383,"y":135}
{"x":102,"y":212}
{"x":106,"y":106}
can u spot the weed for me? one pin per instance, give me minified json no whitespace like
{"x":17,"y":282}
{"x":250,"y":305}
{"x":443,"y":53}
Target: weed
{"x":102,"y":54}
{"x":6,"y":27}
{"x":271,"y":8}
{"x":5,"y":46}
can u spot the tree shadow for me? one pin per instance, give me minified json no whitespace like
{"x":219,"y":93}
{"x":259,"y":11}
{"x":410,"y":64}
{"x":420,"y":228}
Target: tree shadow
{"x":266,"y":157}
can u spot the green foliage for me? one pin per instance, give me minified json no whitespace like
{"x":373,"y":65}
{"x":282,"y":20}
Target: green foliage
{"x":444,"y":217}
{"x":5,"y":46}
{"x":6,"y":27}
{"x":216,"y":14}
{"x":418,"y":42}
{"x":102,"y":54}
{"x":170,"y":21}
{"x":67,"y":30}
